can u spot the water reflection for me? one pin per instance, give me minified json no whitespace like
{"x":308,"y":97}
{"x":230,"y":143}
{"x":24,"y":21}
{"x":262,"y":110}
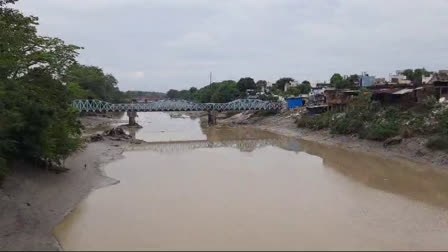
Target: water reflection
{"x":154,"y":128}
{"x":243,"y":139}
{"x":402,"y":177}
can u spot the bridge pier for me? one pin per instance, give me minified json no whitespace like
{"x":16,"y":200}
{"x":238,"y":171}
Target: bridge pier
{"x":212,"y":117}
{"x":132,"y":115}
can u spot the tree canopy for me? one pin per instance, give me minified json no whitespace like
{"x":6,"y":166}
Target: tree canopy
{"x":416,"y":75}
{"x":39,"y":76}
{"x":95,"y":83}
{"x":245,"y":84}
{"x":280,"y":84}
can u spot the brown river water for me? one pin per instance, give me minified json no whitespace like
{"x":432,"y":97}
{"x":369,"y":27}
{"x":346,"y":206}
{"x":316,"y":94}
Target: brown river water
{"x":246,"y":189}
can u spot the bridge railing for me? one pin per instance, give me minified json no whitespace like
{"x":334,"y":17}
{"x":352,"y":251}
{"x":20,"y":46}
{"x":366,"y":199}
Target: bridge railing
{"x":175,"y":105}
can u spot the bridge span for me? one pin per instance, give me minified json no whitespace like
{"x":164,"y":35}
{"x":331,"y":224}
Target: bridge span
{"x":175,"y":105}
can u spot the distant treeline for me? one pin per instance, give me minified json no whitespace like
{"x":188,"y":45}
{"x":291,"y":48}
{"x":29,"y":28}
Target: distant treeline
{"x":135,"y":94}
{"x":230,"y":90}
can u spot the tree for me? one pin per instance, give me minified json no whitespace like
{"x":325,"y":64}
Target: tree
{"x":94,"y":81}
{"x":261,"y":84}
{"x":76,"y":92}
{"x":21,"y":49}
{"x":226,"y":92}
{"x":4,"y":2}
{"x":280,"y":84}
{"x":353,"y":80}
{"x":338,"y":81}
{"x":305,"y":87}
{"x":305,"y":82}
{"x":336,"y":78}
{"x":245,"y":84}
{"x":36,"y":121}
{"x":172,"y":94}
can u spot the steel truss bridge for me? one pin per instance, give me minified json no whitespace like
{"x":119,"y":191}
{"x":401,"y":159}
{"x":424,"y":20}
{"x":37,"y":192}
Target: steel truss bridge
{"x":175,"y":105}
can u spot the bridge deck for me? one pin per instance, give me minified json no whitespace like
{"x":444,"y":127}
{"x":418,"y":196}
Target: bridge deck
{"x":175,"y":105}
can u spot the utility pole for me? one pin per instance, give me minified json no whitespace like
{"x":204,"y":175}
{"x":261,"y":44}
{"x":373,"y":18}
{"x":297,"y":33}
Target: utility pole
{"x":210,"y":77}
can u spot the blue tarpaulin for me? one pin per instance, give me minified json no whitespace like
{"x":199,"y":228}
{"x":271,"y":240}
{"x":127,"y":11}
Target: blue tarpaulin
{"x":294,"y":102}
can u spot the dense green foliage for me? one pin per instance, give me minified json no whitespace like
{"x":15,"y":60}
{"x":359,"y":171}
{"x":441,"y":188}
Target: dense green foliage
{"x":224,"y":91}
{"x":340,"y":82}
{"x":92,"y":83}
{"x":372,"y":121}
{"x":36,"y":121}
{"x":245,"y":84}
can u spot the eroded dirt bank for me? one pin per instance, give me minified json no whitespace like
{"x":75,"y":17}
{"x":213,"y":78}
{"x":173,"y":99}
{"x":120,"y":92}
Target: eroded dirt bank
{"x":412,"y":149}
{"x":33,"y":201}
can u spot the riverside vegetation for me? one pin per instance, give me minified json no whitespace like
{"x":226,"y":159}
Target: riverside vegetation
{"x":371,"y":120}
{"x":39,"y":77}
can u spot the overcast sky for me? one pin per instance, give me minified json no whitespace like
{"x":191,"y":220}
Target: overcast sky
{"x":162,"y":44}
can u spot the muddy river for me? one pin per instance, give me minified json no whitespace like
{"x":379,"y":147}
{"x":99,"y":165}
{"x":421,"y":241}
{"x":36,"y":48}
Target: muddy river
{"x":246,"y":189}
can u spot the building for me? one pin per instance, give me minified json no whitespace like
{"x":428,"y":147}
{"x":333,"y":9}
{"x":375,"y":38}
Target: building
{"x":427,"y":79}
{"x":399,"y":78}
{"x":338,"y":98}
{"x":366,"y":81}
{"x":439,"y":82}
{"x":400,"y":96}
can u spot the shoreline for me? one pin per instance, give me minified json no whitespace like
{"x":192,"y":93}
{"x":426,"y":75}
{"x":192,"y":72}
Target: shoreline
{"x":411,"y":149}
{"x":34,"y":201}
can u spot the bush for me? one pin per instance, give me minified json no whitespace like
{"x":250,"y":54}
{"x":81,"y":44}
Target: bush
{"x":343,"y":124}
{"x":430,"y":102}
{"x":438,"y":143}
{"x":315,"y":122}
{"x":380,"y":131}
{"x":443,"y":122}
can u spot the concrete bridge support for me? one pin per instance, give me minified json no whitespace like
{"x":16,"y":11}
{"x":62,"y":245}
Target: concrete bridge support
{"x":212,"y":117}
{"x":132,"y":115}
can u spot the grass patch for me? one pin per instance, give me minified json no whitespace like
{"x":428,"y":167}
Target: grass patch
{"x":314,"y":122}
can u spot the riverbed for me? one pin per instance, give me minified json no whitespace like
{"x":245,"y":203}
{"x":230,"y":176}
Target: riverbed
{"x":193,"y":188}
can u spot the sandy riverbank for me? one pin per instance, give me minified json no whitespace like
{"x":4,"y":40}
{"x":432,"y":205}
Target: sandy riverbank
{"x":412,"y":149}
{"x":33,"y":201}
